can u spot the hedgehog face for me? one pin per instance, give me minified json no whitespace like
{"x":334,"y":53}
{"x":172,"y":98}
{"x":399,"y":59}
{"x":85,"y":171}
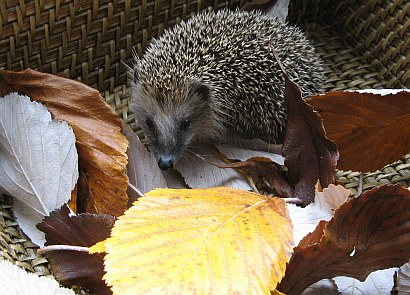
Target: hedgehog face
{"x":172,"y":122}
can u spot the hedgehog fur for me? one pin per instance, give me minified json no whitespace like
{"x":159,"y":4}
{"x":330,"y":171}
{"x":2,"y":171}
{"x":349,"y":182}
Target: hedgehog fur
{"x":214,"y":77}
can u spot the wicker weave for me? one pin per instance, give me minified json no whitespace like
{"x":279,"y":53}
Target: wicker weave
{"x":15,"y":246}
{"x":365,"y":44}
{"x":86,"y":40}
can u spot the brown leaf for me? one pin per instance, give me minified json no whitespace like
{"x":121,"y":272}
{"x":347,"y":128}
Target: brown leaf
{"x":101,"y":146}
{"x":368,"y":233}
{"x":72,"y":267}
{"x":309,"y":154}
{"x":371,"y":130}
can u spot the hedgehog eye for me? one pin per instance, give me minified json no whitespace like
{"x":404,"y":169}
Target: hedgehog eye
{"x":149,"y":123}
{"x":185,"y":124}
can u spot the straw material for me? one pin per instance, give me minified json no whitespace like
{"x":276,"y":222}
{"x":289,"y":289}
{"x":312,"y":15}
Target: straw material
{"x":87,"y":40}
{"x":15,"y":246}
{"x":364,"y":44}
{"x":398,"y":172}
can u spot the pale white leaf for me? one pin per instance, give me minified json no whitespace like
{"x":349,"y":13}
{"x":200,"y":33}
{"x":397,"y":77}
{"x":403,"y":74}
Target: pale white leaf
{"x":200,"y":174}
{"x":323,"y":287}
{"x":38,"y":157}
{"x":16,"y":281}
{"x":142,"y":168}
{"x":379,"y":282}
{"x":404,"y":279}
{"x":174,"y":179}
{"x":245,"y":153}
{"x":306,"y":219}
{"x":381,"y":91}
{"x":334,"y":196}
{"x":27,"y":219}
{"x":280,"y":10}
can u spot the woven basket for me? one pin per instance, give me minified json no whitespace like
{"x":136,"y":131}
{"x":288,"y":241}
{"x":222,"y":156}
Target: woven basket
{"x":365,"y":44}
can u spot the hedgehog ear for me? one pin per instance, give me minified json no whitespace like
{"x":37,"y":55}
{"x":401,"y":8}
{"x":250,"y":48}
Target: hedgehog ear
{"x":199,"y":89}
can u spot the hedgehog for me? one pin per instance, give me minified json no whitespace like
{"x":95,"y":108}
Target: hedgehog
{"x":214,"y":77}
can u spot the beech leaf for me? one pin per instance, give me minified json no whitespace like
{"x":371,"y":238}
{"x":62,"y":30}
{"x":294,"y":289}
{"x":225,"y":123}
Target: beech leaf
{"x":334,"y":196}
{"x":366,"y":234}
{"x":378,"y":282}
{"x":73,"y":267}
{"x":16,"y":281}
{"x":323,"y":287}
{"x":404,"y":278}
{"x":306,"y":219}
{"x":201,"y":174}
{"x":38,"y":160}
{"x":101,"y":146}
{"x":265,"y":168}
{"x":142,"y":168}
{"x":210,"y":170}
{"x":309,"y":155}
{"x":252,"y":150}
{"x":371,"y":130}
{"x":208,"y":241}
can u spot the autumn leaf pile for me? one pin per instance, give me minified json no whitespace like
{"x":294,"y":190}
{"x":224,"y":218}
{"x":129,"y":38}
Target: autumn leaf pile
{"x":133,"y":234}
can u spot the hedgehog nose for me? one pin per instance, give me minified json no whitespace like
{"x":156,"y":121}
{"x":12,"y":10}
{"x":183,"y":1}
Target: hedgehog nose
{"x":165,"y":162}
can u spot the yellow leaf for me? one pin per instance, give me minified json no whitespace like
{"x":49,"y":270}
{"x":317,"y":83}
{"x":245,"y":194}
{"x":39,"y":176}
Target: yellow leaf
{"x":209,"y":241}
{"x":98,"y":248}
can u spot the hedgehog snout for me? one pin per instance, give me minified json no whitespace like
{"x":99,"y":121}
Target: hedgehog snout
{"x":166,"y":162}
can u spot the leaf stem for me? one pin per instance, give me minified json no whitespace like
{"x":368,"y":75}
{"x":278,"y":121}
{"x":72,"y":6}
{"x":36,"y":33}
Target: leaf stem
{"x":134,"y":188}
{"x":62,"y":248}
{"x":295,"y":201}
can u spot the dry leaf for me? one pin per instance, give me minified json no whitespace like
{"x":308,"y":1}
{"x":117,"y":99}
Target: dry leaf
{"x":309,"y":155}
{"x":200,"y":174}
{"x":208,"y":241}
{"x":404,"y":279}
{"x":142,"y":168}
{"x":73,"y":267}
{"x":371,"y":130}
{"x":305,"y":220}
{"x":262,"y":167}
{"x":174,"y":179}
{"x":38,"y":161}
{"x":101,"y":146}
{"x":243,"y":153}
{"x":16,"y":281}
{"x":366,"y":234}
{"x":378,"y":282}
{"x":323,"y":287}
{"x":334,"y":196}
{"x":210,"y":173}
